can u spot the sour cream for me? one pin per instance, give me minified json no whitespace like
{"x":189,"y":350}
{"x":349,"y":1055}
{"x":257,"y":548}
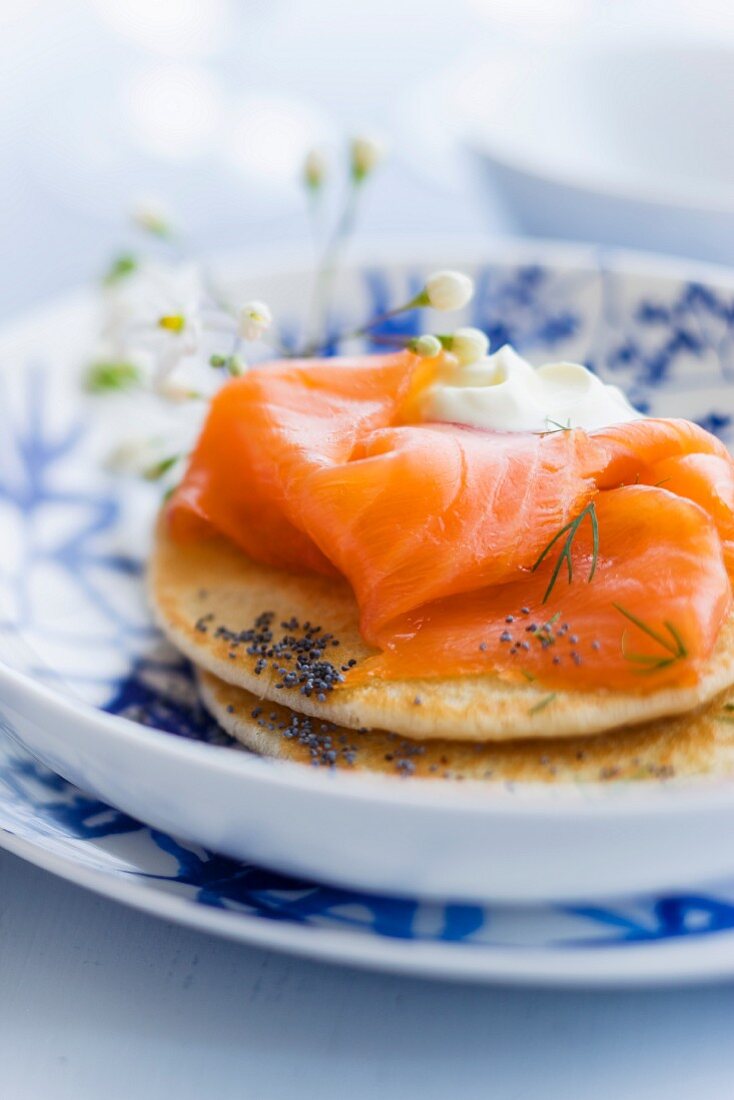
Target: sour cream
{"x":503,"y":392}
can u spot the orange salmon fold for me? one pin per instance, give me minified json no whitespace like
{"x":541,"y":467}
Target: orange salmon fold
{"x":316,"y":467}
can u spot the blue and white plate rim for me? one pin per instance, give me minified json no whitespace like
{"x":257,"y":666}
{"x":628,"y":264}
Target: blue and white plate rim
{"x":658,"y":964}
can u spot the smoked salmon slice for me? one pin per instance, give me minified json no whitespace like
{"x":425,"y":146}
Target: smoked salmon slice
{"x":450,"y":536}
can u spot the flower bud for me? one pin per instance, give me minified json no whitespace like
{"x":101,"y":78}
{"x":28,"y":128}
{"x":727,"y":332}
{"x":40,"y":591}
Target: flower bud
{"x":366,"y":154}
{"x":426,"y":346}
{"x":254,"y":319}
{"x":314,"y":170}
{"x":120,"y":268}
{"x":236,"y":366}
{"x":469,"y":345}
{"x":448,"y":290}
{"x":152,"y":218}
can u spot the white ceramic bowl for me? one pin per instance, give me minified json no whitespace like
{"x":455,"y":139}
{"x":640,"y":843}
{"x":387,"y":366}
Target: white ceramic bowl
{"x":624,"y":145}
{"x":76,"y":635}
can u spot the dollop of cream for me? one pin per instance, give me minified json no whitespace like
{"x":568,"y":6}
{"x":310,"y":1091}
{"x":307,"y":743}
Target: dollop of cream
{"x":503,"y":392}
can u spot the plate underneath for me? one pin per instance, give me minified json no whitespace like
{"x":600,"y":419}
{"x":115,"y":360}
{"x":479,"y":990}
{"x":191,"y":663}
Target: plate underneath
{"x":644,"y":941}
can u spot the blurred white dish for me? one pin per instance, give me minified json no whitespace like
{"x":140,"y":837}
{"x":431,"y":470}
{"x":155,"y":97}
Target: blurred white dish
{"x":83,"y":676}
{"x":622,"y":145}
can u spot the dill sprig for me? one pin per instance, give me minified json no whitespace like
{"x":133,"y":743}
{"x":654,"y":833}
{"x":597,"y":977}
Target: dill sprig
{"x":565,"y":555}
{"x":556,"y":426}
{"x":542,"y":703}
{"x":674,"y":646}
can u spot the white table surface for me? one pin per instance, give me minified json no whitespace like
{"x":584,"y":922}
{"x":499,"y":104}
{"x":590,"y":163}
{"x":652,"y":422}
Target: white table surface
{"x":97,"y":1000}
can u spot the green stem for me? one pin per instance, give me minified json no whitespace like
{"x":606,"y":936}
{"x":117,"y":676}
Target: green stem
{"x":326,"y":274}
{"x":363,"y":330}
{"x":414,"y":303}
{"x":315,"y":214}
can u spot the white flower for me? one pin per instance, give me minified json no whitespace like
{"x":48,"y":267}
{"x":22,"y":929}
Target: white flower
{"x":426,"y":346}
{"x":314,"y":170}
{"x":254,"y":319}
{"x":181,"y":340}
{"x":155,"y":315}
{"x":152,"y":291}
{"x":448,"y":290}
{"x":469,"y":345}
{"x":366,"y":154}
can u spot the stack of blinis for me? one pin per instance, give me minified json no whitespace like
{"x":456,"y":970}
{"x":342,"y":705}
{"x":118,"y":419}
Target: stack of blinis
{"x":361,"y":588}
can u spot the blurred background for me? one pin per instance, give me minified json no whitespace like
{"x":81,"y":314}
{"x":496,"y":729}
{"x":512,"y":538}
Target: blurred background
{"x":568,"y":118}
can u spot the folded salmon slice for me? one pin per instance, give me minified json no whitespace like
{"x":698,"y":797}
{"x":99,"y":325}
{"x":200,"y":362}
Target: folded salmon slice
{"x":659,"y":568}
{"x":312,"y":467}
{"x":265,"y":434}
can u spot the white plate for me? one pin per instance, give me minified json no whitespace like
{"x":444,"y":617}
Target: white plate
{"x":645,"y":941}
{"x":78,"y":635}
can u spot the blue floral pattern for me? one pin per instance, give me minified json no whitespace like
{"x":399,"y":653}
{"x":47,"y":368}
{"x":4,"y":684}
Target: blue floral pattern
{"x":673,"y":349}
